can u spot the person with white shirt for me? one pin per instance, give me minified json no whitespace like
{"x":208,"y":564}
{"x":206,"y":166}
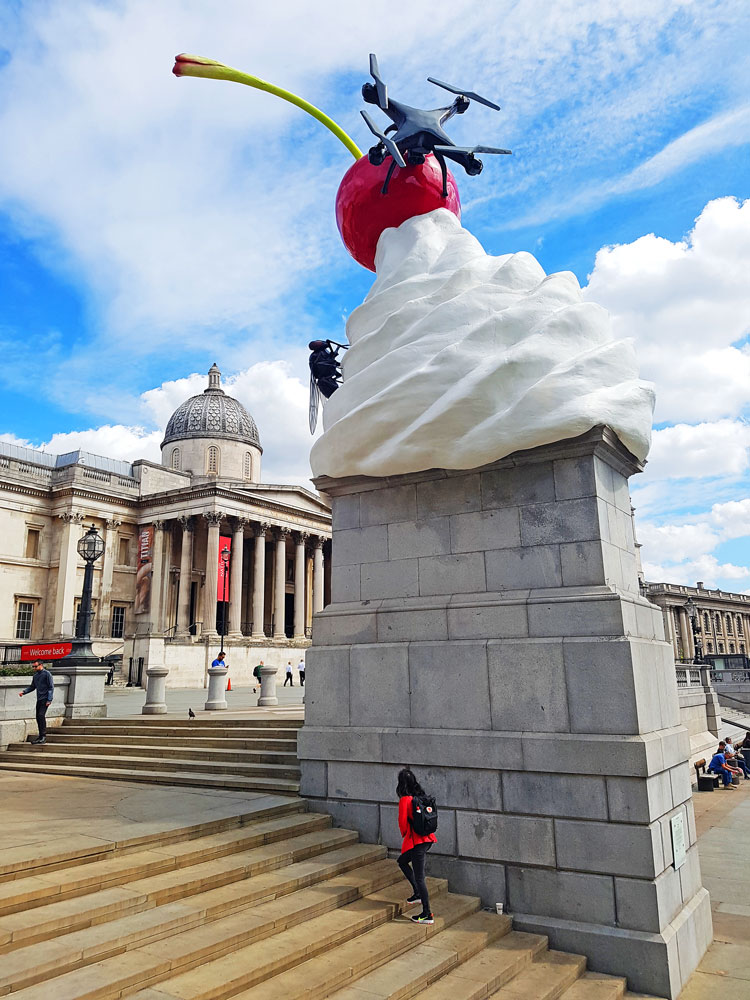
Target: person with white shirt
{"x":301,"y":669}
{"x":289,"y":675}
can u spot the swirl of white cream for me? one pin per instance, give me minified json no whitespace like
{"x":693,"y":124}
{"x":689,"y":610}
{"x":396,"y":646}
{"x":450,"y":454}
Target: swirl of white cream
{"x":458,"y":359}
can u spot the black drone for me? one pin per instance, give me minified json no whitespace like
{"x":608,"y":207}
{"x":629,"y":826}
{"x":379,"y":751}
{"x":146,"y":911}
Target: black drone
{"x":417,"y":132}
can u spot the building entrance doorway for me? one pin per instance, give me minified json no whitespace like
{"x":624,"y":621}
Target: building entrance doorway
{"x":289,"y":615}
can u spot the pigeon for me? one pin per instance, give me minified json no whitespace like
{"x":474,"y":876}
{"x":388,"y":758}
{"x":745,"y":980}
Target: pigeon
{"x":191,"y":713}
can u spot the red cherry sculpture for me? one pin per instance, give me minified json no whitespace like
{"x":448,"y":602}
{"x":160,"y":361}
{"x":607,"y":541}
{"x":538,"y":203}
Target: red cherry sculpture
{"x":363,"y":212}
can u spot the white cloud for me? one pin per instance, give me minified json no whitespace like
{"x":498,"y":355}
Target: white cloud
{"x":704,"y":450}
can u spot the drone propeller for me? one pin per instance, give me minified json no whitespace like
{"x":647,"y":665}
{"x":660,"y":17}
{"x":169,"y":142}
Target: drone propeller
{"x":470,"y":149}
{"x":389,"y":144}
{"x":464,"y":93}
{"x":380,"y":86}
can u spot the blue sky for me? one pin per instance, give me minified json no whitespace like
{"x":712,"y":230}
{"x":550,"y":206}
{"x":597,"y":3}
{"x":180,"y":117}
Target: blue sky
{"x":150,"y":226}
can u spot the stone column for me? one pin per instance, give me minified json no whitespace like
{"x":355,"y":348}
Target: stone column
{"x":157,"y":560}
{"x":317,"y":587}
{"x":235,"y":579}
{"x":685,"y":635}
{"x":495,"y":602}
{"x":259,"y":580}
{"x":670,"y":634}
{"x":214,"y":519}
{"x":186,"y":576}
{"x":279,"y":593}
{"x":108,"y":565}
{"x":299,"y":585}
{"x":67,"y":572}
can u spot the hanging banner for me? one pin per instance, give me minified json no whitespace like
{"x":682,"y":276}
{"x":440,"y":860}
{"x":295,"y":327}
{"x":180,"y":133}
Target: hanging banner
{"x":225,"y":542}
{"x":145,"y":568}
{"x":46,"y":651}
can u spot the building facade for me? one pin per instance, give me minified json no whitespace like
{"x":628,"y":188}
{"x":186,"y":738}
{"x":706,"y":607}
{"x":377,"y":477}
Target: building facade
{"x":722,"y":623}
{"x":162,"y":591}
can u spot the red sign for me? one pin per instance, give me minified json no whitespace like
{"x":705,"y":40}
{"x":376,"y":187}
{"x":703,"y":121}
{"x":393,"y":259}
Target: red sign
{"x":49,"y":651}
{"x":145,"y":569}
{"x":225,"y":542}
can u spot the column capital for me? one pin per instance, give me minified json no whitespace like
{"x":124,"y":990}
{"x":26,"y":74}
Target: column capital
{"x":261,"y":529}
{"x":239,"y":523}
{"x":301,"y":537}
{"x":113,"y":522}
{"x":159,"y":525}
{"x":187,"y":522}
{"x":282,"y":533}
{"x":71,"y":517}
{"x":214,"y":516}
{"x":318,"y":541}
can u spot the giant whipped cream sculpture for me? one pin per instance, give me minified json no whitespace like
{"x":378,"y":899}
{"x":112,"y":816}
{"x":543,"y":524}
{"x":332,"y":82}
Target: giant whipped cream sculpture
{"x":456,"y":359}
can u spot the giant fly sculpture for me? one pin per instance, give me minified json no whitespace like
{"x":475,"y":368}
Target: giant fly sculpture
{"x":417,"y":132}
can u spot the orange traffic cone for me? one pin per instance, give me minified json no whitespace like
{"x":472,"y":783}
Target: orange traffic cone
{"x":229,"y":684}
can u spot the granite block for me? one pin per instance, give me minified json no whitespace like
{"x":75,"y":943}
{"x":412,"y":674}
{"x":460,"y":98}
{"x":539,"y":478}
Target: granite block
{"x":345,"y":584}
{"x":327,"y":698}
{"x":512,"y":487}
{"x":397,"y":578}
{"x":574,"y":616}
{"x":609,"y":848}
{"x":458,"y":748}
{"x":379,"y":685}
{"x":574,"y":478}
{"x":364,"y":817}
{"x":475,"y":878}
{"x":452,"y":574}
{"x":345,"y":512}
{"x":485,"y":530}
{"x":633,"y":800}
{"x":387,"y":505}
{"x":524,"y":568}
{"x":694,"y":928}
{"x":412,"y":626}
{"x":338,"y":628}
{"x":449,"y":688}
{"x":599,"y":674}
{"x":488,"y":621}
{"x":513,"y":839}
{"x":582,"y":564}
{"x":590,"y":754}
{"x":410,"y":540}
{"x":690,"y":874}
{"x":339,"y":743}
{"x":682,"y":789}
{"x":561,"y":521}
{"x":362,"y":781}
{"x":454,"y":495}
{"x":314,"y":778}
{"x":648,"y":905}
{"x":570,"y":895}
{"x":574,"y":796}
{"x":533,"y":673}
{"x":359,"y":545}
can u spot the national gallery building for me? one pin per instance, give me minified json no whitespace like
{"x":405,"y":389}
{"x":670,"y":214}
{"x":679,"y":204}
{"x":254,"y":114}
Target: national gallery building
{"x":195,"y":547}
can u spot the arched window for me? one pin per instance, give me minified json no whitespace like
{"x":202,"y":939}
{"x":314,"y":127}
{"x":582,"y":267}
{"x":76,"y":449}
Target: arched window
{"x":175,"y":462}
{"x":706,"y":622}
{"x":729,"y":624}
{"x":717,"y":622}
{"x":731,"y":647}
{"x":248,"y":467}
{"x":710,"y":647}
{"x":212,"y":460}
{"x":721,"y":647}
{"x":739,"y":625}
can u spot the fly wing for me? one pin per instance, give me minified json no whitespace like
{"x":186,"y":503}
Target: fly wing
{"x":314,"y":403}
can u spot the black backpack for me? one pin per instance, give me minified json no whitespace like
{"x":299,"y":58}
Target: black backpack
{"x":424,"y":818}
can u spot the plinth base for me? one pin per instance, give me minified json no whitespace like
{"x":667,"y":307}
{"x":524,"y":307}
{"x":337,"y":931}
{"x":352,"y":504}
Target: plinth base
{"x":487,"y":628}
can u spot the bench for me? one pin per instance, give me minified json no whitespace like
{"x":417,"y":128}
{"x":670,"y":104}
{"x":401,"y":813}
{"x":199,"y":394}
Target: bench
{"x":706,"y":781}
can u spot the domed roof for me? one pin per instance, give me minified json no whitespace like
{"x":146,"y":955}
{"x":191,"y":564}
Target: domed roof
{"x":212,"y":414}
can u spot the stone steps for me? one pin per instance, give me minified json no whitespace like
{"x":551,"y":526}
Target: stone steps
{"x":239,"y":754}
{"x":275,"y":904}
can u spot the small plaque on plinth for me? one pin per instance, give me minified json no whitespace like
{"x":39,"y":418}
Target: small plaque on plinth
{"x":679,"y":849}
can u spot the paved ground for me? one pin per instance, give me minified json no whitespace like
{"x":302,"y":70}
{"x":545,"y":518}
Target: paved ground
{"x":723,"y":822}
{"x":46,"y":814}
{"x":242,"y":703}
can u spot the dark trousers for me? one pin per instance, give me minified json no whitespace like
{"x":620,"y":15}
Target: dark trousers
{"x":302,"y":678}
{"x":411,"y":864}
{"x":741,"y":763}
{"x":290,"y":679}
{"x":41,"y":718}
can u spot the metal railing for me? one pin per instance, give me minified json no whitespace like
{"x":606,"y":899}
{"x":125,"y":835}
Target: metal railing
{"x":688,"y":676}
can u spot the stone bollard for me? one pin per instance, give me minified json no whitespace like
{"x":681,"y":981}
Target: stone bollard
{"x":217,"y":686}
{"x":156,"y":689}
{"x":267,"y":687}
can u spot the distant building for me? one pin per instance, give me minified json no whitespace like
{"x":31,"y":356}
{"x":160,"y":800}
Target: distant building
{"x":159,"y":587}
{"x":722,"y":623}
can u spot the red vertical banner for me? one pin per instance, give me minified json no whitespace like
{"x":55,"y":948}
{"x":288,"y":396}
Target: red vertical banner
{"x":145,"y":567}
{"x":225,"y":542}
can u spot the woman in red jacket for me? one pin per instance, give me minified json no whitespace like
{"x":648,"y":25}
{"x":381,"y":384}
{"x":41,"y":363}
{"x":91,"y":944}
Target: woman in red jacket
{"x":414,"y":848}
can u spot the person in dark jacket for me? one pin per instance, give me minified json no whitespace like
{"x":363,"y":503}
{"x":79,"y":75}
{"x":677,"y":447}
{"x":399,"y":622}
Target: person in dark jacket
{"x":414,"y":848}
{"x":44,"y":686}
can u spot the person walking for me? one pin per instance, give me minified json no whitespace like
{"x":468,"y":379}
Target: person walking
{"x":42,"y":683}
{"x":256,"y":673}
{"x":414,"y":847}
{"x":289,"y":679}
{"x":301,"y":671}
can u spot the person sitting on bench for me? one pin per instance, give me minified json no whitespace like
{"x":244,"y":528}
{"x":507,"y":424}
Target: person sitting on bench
{"x":735,"y":758}
{"x":719,"y":766}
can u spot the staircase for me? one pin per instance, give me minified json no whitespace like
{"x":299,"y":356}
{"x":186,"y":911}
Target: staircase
{"x":256,"y":755}
{"x":275,"y":905}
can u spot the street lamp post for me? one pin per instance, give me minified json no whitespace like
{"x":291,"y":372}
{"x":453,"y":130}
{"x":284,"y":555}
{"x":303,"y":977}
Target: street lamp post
{"x":90,"y":548}
{"x":225,"y":560}
{"x":693,"y":616}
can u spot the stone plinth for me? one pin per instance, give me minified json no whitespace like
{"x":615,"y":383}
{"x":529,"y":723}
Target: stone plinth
{"x":486,"y":627}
